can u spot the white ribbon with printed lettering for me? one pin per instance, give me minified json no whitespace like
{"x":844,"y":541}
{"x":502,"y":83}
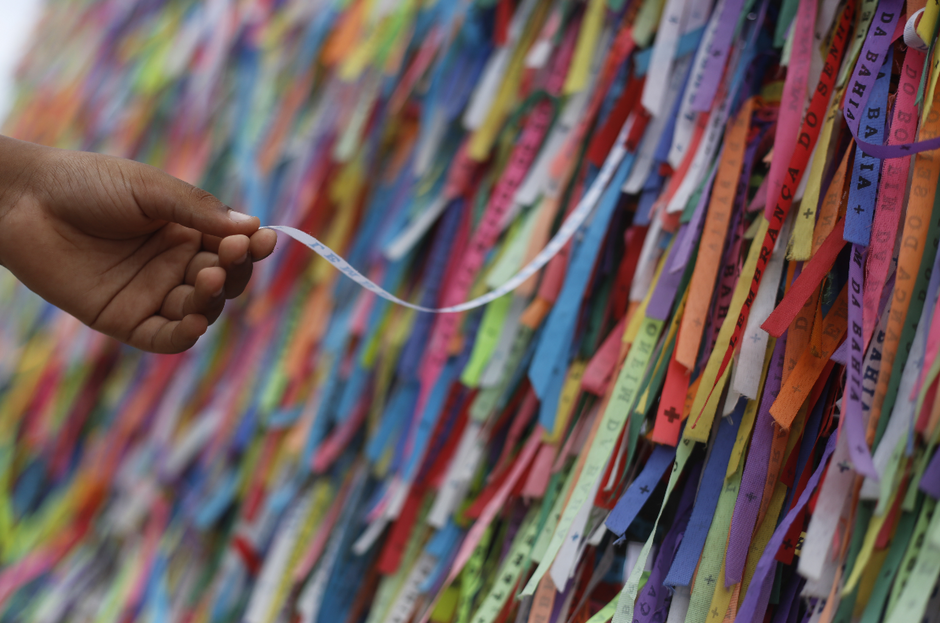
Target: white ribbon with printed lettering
{"x":565,"y":232}
{"x":661,"y":63}
{"x":754,"y":346}
{"x":685,"y":121}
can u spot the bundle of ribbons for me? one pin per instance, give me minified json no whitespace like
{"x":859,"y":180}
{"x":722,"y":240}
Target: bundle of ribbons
{"x":696,"y":379}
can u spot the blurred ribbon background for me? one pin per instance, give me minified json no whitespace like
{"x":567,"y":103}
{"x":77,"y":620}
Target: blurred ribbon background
{"x":711,"y":396}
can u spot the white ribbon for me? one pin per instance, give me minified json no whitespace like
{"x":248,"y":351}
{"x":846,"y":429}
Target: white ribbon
{"x":567,"y":230}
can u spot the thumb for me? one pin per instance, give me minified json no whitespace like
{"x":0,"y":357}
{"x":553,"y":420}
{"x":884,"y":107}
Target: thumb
{"x":163,"y":197}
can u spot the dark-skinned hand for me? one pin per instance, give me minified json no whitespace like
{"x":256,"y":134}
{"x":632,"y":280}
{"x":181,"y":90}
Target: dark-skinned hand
{"x":127,"y":249}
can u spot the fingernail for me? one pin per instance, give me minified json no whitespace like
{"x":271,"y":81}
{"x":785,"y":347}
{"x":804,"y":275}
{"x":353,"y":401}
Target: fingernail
{"x":218,"y":292}
{"x":241,"y":260}
{"x":238,"y":217}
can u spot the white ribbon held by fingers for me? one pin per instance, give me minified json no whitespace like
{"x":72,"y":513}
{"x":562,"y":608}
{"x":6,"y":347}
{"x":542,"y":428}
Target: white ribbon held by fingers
{"x":564,"y":234}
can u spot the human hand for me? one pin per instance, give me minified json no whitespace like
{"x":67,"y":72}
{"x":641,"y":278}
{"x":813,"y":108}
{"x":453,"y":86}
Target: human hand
{"x":127,"y":249}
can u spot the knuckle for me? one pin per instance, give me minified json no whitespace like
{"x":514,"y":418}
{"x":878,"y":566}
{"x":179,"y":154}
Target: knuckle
{"x":202,"y":200}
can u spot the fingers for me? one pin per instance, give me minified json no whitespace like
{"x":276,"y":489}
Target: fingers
{"x":235,"y":258}
{"x":262,"y":243}
{"x":234,"y":255}
{"x":210,"y":278}
{"x":159,"y":335}
{"x":163,"y":197}
{"x":201,"y":260}
{"x":211,"y":243}
{"x":205,"y":297}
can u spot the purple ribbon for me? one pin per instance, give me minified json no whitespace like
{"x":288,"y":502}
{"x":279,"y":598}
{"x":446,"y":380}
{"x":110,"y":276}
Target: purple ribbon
{"x":758,"y":593}
{"x":717,"y":54}
{"x":755,"y":473}
{"x":879,"y":39}
{"x":930,"y":481}
{"x":788,"y":599}
{"x":681,"y":257}
{"x":870,"y":60}
{"x":655,"y":598}
{"x":668,"y":284}
{"x":854,"y":425}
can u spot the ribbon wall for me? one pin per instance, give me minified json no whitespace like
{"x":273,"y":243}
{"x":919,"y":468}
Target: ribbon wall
{"x":620,"y":309}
